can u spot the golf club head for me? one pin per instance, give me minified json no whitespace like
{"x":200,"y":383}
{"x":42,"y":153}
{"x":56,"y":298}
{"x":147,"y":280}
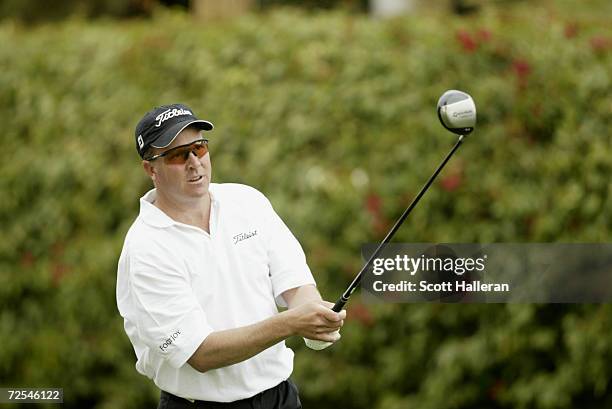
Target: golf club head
{"x":457,"y":112}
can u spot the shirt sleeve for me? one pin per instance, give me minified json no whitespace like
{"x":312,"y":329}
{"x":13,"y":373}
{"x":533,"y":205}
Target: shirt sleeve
{"x":168,"y":317}
{"x":287,"y":261}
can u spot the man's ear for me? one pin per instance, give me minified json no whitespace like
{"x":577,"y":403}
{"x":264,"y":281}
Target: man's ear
{"x":149,"y":169}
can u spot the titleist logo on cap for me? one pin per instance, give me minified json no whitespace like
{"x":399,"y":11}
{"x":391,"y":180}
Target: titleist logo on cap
{"x":170,"y":113}
{"x":161,"y":125}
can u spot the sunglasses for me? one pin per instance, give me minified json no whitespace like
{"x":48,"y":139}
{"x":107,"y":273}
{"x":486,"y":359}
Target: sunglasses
{"x":180,"y":154}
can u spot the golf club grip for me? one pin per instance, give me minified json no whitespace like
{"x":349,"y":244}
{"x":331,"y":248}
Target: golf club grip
{"x":339,"y":305}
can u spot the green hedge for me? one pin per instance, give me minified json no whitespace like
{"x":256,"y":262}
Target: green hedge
{"x":333,"y":117}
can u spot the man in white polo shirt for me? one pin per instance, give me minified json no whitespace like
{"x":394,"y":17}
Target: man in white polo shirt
{"x":201,"y":273}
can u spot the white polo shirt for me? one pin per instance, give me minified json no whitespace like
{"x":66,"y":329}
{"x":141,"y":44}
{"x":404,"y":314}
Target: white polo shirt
{"x":177,"y":283}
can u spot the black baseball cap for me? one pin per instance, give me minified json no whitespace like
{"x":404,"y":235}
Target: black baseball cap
{"x":161,"y":125}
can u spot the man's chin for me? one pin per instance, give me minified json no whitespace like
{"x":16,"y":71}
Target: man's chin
{"x":198,"y":190}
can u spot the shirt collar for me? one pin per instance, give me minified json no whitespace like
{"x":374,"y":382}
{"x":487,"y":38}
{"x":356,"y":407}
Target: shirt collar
{"x":155,"y":217}
{"x":152,"y":215}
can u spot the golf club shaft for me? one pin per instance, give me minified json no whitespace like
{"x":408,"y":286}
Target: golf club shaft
{"x":353,"y":286}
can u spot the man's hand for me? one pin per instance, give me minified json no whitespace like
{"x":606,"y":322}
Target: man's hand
{"x":316,"y":320}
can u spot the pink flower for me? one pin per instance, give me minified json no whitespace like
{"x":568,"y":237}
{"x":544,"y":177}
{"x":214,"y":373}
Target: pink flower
{"x":467,"y":42}
{"x":521,"y":68}
{"x":571,"y":30}
{"x":483,"y":35}
{"x":600,"y":44}
{"x":451,"y":182}
{"x":373,"y":204}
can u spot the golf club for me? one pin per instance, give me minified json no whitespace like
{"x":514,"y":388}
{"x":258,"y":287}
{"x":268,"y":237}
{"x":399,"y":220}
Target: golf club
{"x":457,"y":113}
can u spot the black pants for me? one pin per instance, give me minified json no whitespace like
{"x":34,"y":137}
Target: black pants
{"x":282,"y":396}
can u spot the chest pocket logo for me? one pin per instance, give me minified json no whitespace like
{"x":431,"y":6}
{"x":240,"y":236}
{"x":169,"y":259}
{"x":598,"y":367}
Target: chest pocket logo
{"x":243,"y":236}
